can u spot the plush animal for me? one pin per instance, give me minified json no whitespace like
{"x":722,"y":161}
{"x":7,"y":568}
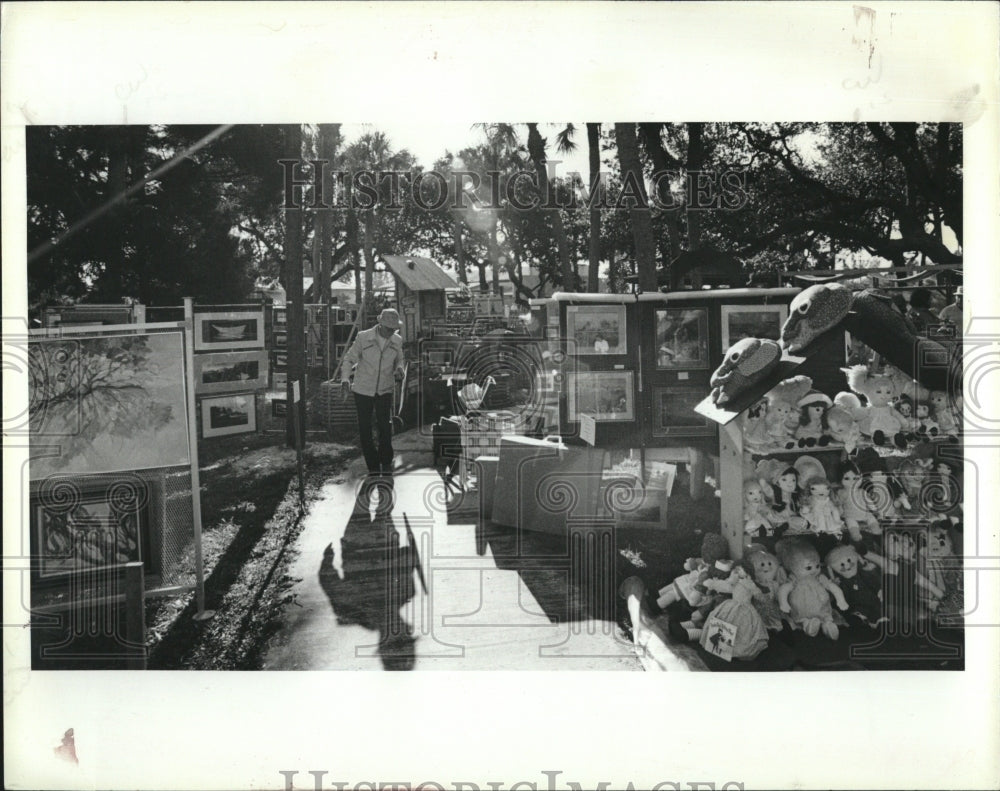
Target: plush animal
{"x":813,"y":427}
{"x":747,"y":362}
{"x":783,"y":410}
{"x":769,"y":576}
{"x":814,"y":311}
{"x":806,"y":595}
{"x":942,"y":412}
{"x":714,"y":561}
{"x":877,"y":419}
{"x":875,"y":321}
{"x":941,"y":565}
{"x":861,"y":582}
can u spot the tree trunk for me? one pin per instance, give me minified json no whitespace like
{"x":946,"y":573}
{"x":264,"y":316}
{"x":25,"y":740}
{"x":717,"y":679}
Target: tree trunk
{"x":369,"y":253}
{"x":494,"y":254}
{"x":329,"y":135}
{"x":642,"y":224}
{"x":695,"y":162}
{"x":536,"y":150}
{"x":456,"y":232}
{"x":293,"y":291}
{"x":114,"y":276}
{"x":596,"y":193}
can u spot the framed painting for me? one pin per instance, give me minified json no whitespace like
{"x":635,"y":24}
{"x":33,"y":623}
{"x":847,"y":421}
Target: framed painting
{"x":280,"y":317}
{"x":228,"y":414}
{"x":280,"y":338}
{"x":229,"y":330}
{"x":673,"y":412}
{"x":108,"y":403}
{"x":280,"y":360}
{"x":681,"y":338}
{"x":280,"y":380}
{"x":224,"y":372}
{"x":752,"y":321}
{"x":279,"y":407}
{"x":607,"y":396}
{"x":94,"y":530}
{"x":597,"y":329}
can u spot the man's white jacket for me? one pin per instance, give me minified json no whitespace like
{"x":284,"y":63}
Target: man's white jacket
{"x":374,"y":365}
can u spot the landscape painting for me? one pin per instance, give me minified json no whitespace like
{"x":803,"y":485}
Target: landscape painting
{"x":229,"y":330}
{"x":228,"y":371}
{"x":112,"y":403}
{"x":235,"y":414}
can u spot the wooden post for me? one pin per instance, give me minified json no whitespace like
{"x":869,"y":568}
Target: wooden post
{"x":135,"y":616}
{"x":293,"y":290}
{"x":731,"y":484}
{"x":199,"y":562}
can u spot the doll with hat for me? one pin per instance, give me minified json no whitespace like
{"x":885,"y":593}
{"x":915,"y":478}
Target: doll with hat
{"x":813,"y":428}
{"x":805,"y":598}
{"x":877,"y":419}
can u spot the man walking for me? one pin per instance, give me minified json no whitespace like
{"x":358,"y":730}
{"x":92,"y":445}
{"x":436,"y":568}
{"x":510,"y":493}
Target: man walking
{"x":376,"y":357}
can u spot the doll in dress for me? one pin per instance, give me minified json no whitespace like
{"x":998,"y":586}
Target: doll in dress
{"x":813,"y":428}
{"x":877,"y":419}
{"x":822,"y":514}
{"x":941,"y":565}
{"x":908,"y":593}
{"x":927,"y":426}
{"x":805,"y":598}
{"x":714,"y":561}
{"x":861,"y":582}
{"x":783,"y":412}
{"x":769,"y":576}
{"x":785,"y":488}
{"x":738,"y":614}
{"x":943,"y":413}
{"x":855,"y":507}
{"x":904,"y":407}
{"x":759,"y":519}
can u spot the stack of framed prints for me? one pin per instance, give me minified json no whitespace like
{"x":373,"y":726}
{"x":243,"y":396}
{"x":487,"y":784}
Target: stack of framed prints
{"x":231,"y":365}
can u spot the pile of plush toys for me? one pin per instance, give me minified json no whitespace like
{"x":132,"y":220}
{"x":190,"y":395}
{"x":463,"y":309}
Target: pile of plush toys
{"x":736,"y":607}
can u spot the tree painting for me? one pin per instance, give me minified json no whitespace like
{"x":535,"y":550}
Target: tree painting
{"x":107,"y":404}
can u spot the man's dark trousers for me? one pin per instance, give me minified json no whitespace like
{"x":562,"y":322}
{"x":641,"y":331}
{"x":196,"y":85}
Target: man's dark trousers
{"x":377,"y":457}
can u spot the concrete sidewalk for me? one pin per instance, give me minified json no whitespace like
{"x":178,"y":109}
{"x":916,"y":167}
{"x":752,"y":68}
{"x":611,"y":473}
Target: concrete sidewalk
{"x":359,"y":604}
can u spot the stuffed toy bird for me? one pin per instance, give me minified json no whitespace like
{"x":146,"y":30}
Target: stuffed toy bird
{"x":746,"y":363}
{"x":814,"y":311}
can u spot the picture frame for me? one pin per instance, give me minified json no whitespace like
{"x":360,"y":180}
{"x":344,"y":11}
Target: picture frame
{"x":280,"y":317}
{"x":96,"y":530}
{"x":224,"y":372}
{"x":235,"y":329}
{"x":280,"y":360}
{"x":681,"y":339}
{"x":279,"y":407}
{"x":280,"y":380}
{"x":674,"y":414}
{"x":597,"y":329}
{"x":608,"y":396}
{"x":228,"y":414}
{"x":280,"y":338}
{"x":752,"y":321}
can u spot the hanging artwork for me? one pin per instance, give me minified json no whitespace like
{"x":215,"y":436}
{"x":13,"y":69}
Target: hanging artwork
{"x":682,"y":338}
{"x":597,"y":329}
{"x":225,"y":372}
{"x":673,"y":412}
{"x":230,"y":414}
{"x":107,"y":404}
{"x":229,"y":330}
{"x":604,"y":395}
{"x":752,"y":321}
{"x":78,"y":530}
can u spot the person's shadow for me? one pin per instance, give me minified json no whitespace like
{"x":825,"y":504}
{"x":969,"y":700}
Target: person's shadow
{"x":377,"y":580}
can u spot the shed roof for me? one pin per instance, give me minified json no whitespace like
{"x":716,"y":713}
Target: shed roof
{"x":419,"y":273}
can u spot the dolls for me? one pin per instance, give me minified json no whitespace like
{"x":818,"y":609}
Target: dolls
{"x":785,"y":488}
{"x":755,"y":436}
{"x":821,"y":512}
{"x":943,"y":413}
{"x":861,"y":582}
{"x":813,"y":428}
{"x":714,"y":560}
{"x":783,"y":412}
{"x":926,"y":425}
{"x":886,"y":498}
{"x":878,"y":419}
{"x":806,"y":595}
{"x":769,"y":576}
{"x":938,"y":562}
{"x":759,"y":519}
{"x":843,"y":427}
{"x":908,"y":592}
{"x":904,"y":408}
{"x":734,"y":629}
{"x":855,"y":506}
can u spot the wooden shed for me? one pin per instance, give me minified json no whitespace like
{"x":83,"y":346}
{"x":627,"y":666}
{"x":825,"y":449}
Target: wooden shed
{"x":420,"y":292}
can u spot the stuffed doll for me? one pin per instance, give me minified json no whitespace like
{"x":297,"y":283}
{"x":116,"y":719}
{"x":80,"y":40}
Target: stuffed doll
{"x":927,"y":426}
{"x":785,"y":500}
{"x":813,"y":428}
{"x":783,"y":410}
{"x":769,"y":576}
{"x":877,"y":419}
{"x":735,"y":621}
{"x":943,"y":414}
{"x":886,"y":498}
{"x":755,"y":432}
{"x":806,"y":595}
{"x":714,"y":562}
{"x":820,"y":511}
{"x":759,"y":519}
{"x":908,"y":593}
{"x":843,"y":427}
{"x":904,"y":408}
{"x":942,"y":566}
{"x":861,"y":582}
{"x":912,"y":474}
{"x":855,"y":507}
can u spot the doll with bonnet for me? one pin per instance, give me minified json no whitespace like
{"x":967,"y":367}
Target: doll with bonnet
{"x":783,"y":411}
{"x":813,"y":428}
